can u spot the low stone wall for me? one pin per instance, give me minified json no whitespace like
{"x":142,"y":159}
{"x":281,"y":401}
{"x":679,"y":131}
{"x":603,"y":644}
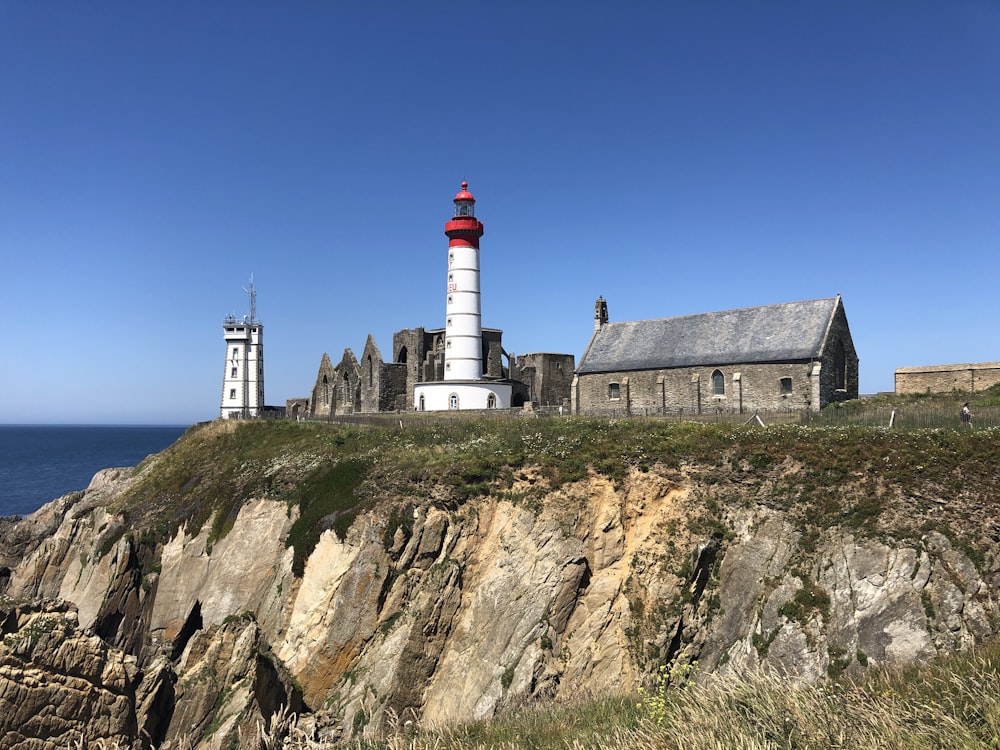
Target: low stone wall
{"x":970,"y":378}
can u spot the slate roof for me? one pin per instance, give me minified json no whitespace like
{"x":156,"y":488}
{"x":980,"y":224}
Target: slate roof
{"x":773,"y":333}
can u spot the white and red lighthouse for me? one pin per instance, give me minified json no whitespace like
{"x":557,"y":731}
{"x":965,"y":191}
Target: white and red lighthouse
{"x":463,"y":353}
{"x":463,"y":386}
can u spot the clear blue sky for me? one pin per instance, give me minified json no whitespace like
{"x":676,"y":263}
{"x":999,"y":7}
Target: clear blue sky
{"x":674,"y":157}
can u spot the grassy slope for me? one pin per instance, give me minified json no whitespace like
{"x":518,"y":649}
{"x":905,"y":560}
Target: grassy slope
{"x":896,"y":483}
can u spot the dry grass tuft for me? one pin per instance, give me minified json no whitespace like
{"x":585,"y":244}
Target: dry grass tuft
{"x":953,"y":704}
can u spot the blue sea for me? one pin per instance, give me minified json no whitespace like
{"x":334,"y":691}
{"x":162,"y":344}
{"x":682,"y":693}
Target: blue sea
{"x":39,"y":463}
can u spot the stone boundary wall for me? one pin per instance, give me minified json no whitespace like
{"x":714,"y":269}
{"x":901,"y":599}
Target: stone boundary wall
{"x":969,"y":378}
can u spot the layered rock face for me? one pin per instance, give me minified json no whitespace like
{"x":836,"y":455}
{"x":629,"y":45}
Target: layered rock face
{"x":438,"y":615}
{"x":59,"y":685}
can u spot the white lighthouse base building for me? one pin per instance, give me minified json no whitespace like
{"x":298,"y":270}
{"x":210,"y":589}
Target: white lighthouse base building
{"x":452,"y":395}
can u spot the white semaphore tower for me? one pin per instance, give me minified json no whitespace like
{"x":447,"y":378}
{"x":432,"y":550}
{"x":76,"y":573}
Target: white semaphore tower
{"x":243,"y":377}
{"x":463,"y":386}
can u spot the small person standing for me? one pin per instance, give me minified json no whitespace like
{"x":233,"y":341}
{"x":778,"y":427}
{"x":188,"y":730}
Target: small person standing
{"x":966,"y":416}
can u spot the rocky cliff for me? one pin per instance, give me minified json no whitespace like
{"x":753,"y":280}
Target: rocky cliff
{"x":140,"y":625}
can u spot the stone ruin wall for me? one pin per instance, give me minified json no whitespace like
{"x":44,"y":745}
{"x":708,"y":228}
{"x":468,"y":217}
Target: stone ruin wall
{"x":966,"y":378}
{"x":376,"y":386}
{"x":548,"y":378}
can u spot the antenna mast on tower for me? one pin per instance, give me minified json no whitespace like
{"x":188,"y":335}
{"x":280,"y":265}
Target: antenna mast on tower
{"x":252,"y":292}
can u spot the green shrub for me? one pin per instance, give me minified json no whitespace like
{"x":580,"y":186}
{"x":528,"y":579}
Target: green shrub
{"x":808,"y":599}
{"x":325,"y":500}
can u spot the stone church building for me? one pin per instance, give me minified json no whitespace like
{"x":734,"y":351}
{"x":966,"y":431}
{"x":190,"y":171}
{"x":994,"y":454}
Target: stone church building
{"x":793,"y":356}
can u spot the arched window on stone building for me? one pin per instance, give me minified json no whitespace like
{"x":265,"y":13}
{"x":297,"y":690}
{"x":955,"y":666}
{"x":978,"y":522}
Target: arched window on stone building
{"x":718,"y":383}
{"x":839,"y":366}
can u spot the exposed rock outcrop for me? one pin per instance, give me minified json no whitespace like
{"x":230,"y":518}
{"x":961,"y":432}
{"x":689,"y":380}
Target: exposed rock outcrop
{"x":230,"y":688}
{"x":59,"y":684}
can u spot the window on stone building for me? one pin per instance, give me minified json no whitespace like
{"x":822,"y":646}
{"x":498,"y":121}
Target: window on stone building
{"x":839,"y":366}
{"x":370,"y":370}
{"x":232,"y":393}
{"x":453,"y":401}
{"x":233,"y":373}
{"x":614,"y":391}
{"x":786,"y":386}
{"x":421,"y":405}
{"x":718,"y":383}
{"x":491,"y":401}
{"x":236,"y":353}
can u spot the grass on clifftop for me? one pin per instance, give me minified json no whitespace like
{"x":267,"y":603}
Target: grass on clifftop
{"x":953,"y":703}
{"x":877,"y":480}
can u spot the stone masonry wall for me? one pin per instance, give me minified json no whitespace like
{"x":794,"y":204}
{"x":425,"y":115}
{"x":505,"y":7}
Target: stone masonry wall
{"x":322,"y":394}
{"x":969,"y":378}
{"x":296,"y":407}
{"x":347,"y":387}
{"x":832,"y":388}
{"x":409,"y":348}
{"x":492,"y":353}
{"x":549,"y":377}
{"x":395,"y":393}
{"x":766,"y":386}
{"x":758,"y":387}
{"x":371,"y":385}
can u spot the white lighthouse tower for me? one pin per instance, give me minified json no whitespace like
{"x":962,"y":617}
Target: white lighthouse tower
{"x":463,"y":349}
{"x":243,"y":377}
{"x":463,"y":386}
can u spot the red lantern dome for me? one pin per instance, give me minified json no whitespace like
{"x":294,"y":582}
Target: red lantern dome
{"x":464,"y":228}
{"x":464,"y":194}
